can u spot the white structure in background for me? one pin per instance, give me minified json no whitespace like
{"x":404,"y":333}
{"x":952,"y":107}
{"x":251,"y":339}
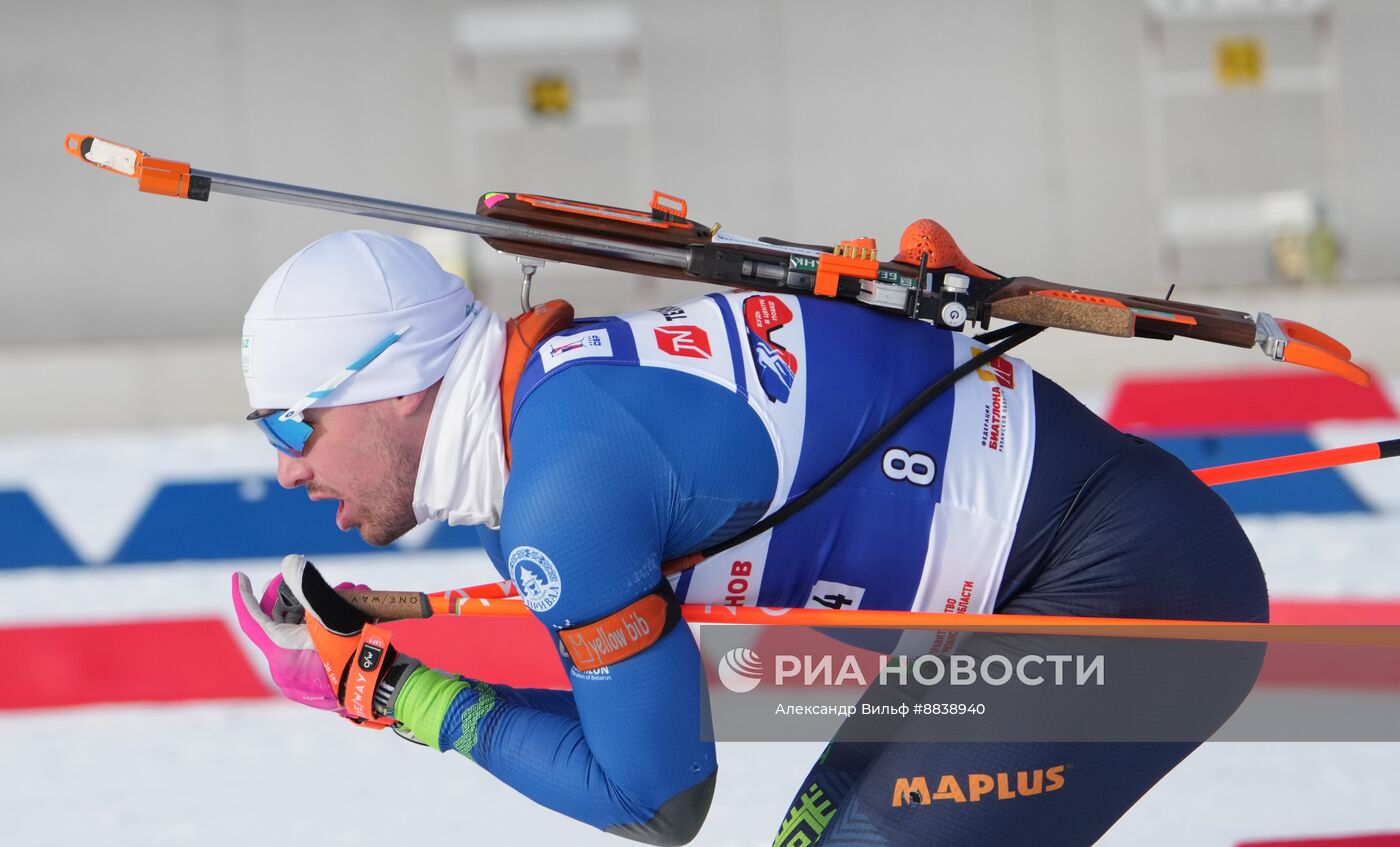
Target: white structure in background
{"x":1030,"y":129}
{"x":537,"y":78}
{"x":1243,"y":137}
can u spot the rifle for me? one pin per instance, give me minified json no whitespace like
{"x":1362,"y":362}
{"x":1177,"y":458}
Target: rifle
{"x":929,"y":279}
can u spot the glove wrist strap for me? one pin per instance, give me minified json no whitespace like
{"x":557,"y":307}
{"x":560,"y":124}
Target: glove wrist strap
{"x":361,"y":678}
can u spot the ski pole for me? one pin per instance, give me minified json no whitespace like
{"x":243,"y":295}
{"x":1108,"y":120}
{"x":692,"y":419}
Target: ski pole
{"x":373,"y":603}
{"x":448,"y":602}
{"x":1299,"y":462}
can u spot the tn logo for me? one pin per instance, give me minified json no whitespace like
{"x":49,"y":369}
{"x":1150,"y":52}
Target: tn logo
{"x":689,"y":341}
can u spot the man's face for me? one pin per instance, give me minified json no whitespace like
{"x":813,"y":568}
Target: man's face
{"x":365,"y":456}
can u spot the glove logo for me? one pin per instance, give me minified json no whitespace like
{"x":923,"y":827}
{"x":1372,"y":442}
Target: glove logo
{"x":536,"y":578}
{"x":741,"y":670}
{"x":370,"y":654}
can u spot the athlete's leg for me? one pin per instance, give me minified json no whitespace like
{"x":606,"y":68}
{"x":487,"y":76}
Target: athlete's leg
{"x":972,"y":794}
{"x":825,"y":792}
{"x":1011,"y":792}
{"x":1143,"y":539}
{"x":1146,"y":539}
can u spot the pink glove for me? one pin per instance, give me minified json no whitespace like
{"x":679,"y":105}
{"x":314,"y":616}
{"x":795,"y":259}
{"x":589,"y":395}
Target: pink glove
{"x":277,"y":629}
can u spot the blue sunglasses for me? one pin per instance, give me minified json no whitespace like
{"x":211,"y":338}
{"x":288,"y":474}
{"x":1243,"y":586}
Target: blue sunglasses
{"x":287,"y":429}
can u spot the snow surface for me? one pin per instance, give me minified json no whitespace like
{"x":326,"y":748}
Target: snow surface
{"x":250,"y":773}
{"x":239,"y":774}
{"x":271,"y":772}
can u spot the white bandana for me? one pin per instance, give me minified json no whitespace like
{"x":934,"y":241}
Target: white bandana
{"x":462,"y":475}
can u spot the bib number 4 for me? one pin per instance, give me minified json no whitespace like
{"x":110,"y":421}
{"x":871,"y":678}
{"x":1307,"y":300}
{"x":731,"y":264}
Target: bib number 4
{"x":900,"y":465}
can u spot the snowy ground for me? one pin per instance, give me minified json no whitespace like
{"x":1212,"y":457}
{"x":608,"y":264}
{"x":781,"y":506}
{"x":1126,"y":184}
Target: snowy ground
{"x":236,"y":774}
{"x":249,"y":774}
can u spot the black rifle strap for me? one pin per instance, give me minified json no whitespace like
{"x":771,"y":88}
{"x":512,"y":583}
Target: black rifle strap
{"x":1010,"y":337}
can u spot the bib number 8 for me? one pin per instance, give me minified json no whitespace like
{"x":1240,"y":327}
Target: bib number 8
{"x":902,"y":466}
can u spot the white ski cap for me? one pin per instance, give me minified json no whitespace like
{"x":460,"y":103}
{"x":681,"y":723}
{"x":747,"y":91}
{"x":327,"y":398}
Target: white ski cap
{"x":337,"y":298}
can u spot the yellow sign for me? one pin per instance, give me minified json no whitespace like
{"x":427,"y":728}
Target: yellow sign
{"x":550,"y":95}
{"x":1239,"y":61}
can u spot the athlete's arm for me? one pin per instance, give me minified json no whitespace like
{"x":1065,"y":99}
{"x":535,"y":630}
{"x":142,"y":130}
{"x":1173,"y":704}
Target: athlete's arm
{"x":587,"y":514}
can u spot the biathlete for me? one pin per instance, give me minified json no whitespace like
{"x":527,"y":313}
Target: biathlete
{"x":591,"y":451}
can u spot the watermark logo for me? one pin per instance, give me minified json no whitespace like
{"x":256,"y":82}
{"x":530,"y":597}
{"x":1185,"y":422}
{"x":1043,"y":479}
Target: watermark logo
{"x":741,"y":670}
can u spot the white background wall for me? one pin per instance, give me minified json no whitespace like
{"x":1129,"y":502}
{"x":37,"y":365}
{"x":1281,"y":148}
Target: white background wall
{"x":1021,"y":124}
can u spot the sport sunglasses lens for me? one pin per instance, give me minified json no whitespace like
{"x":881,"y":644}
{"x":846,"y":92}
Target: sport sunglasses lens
{"x":287,"y":436}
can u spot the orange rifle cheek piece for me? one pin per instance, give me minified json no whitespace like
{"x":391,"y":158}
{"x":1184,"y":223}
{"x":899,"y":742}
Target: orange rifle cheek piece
{"x":929,"y":236}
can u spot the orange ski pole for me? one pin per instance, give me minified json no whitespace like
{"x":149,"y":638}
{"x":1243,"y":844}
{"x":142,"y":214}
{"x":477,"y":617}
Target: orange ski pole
{"x":500,"y":598}
{"x":1299,"y":462}
{"x":441,"y":604}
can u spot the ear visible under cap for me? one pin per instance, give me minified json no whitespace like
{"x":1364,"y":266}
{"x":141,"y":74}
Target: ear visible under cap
{"x":405,"y":405}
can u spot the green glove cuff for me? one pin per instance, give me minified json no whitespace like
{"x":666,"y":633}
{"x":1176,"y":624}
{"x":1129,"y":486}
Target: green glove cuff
{"x":423,"y":701}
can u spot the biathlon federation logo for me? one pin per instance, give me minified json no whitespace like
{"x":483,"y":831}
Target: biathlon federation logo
{"x":997,"y":370}
{"x":536,"y":578}
{"x":741,"y":670}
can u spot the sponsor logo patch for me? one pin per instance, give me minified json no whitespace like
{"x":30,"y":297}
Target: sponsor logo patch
{"x":671,"y":313}
{"x":998,"y":370}
{"x":994,"y":421}
{"x":976,"y":787}
{"x":683,"y":340}
{"x":764,"y":315}
{"x":958,"y":605}
{"x":589,"y":344}
{"x":740,"y":576}
{"x":535,"y":577}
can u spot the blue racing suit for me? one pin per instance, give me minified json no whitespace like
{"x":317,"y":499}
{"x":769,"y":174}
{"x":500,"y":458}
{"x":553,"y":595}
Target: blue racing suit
{"x":640,"y":438}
